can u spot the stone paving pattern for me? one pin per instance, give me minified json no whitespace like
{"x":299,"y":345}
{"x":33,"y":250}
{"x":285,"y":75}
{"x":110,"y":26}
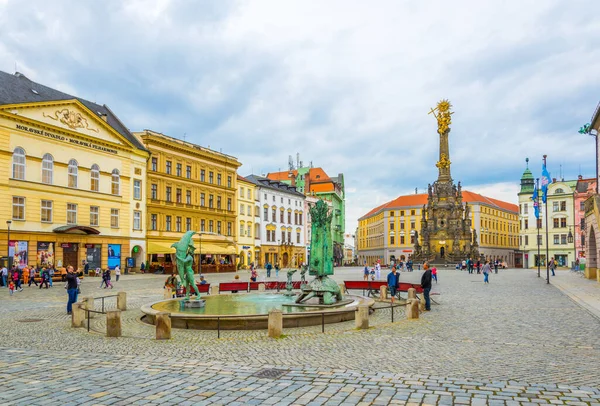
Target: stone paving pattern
{"x":514,"y":341}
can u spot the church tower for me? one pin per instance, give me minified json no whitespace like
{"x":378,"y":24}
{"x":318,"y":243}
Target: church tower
{"x":446,"y":226}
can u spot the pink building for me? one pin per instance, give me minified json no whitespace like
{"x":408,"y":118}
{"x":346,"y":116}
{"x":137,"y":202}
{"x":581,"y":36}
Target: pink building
{"x":584,"y":189}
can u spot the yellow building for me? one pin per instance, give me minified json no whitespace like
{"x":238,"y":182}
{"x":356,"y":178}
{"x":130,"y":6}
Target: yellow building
{"x":248,"y":218}
{"x":386,"y":233}
{"x":190,"y":188}
{"x":73,"y":179}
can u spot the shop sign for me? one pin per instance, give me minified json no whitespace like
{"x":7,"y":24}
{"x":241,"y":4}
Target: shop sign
{"x":245,"y":247}
{"x":65,"y":245}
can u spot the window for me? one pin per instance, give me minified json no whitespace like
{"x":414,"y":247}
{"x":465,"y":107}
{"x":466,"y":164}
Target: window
{"x":412,"y":239}
{"x":563,"y":239}
{"x":168,"y":167}
{"x":210,"y":201}
{"x":526,"y":240}
{"x":391,"y":214}
{"x":168,"y":193}
{"x":188,"y":197}
{"x":95,"y":178}
{"x":94,"y":215}
{"x":202,"y":225}
{"x":249,"y":233}
{"x":265,"y":196}
{"x":18,"y":208}
{"x":297,"y":237}
{"x":295,"y":218}
{"x":137,"y":189}
{"x":558,"y":191}
{"x":281,"y":216}
{"x":229,"y":228}
{"x":289,"y":236}
{"x":266,"y":214}
{"x":114,"y":218}
{"x":526,"y":225}
{"x":412,"y":224}
{"x":168,"y":223}
{"x":563,"y":205}
{"x":178,"y":224}
{"x":218,"y":202}
{"x":229,"y":183}
{"x":46,"y":211}
{"x":241,"y":230}
{"x":249,"y":210}
{"x":556,"y":239}
{"x":582,"y":205}
{"x":47,"y":169}
{"x":229,"y":204}
{"x":115,"y":182}
{"x":583,"y":240}
{"x":282,"y":236}
{"x":554,"y":206}
{"x":18,"y":163}
{"x":211,"y":177}
{"x":202,"y":175}
{"x":241,"y":191}
{"x":188,"y":171}
{"x":392,"y":240}
{"x":154,"y":165}
{"x":525,"y":208}
{"x":178,"y":170}
{"x":211,"y":226}
{"x":202,"y":199}
{"x":219,"y":227}
{"x":241,"y":208}
{"x":188,"y":224}
{"x":137,"y":220}
{"x":300,"y":217}
{"x":401,"y":239}
{"x":563,"y":222}
{"x":274,"y":215}
{"x":273,"y":198}
{"x":555,"y":223}
{"x":539,"y":240}
{"x":154,"y":191}
{"x":71,"y":213}
{"x":412,"y":212}
{"x":218,"y":179}
{"x":582,"y":223}
{"x":72,"y":173}
{"x":289,"y":217}
{"x":391,"y":226}
{"x":153,"y":222}
{"x":178,"y":195}
{"x":401,"y":212}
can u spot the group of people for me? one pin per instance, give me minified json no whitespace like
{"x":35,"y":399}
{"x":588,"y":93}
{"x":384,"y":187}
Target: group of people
{"x":471,"y":265}
{"x":429,"y":274}
{"x":15,"y":278}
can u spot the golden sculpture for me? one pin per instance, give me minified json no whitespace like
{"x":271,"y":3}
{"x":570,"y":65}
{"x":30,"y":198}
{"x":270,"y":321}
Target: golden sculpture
{"x":71,"y":119}
{"x":444,"y":162}
{"x":444,"y":116}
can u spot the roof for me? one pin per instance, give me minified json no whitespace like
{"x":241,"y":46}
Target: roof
{"x":281,"y":176}
{"x":583,"y":185}
{"x":17,"y":88}
{"x":273,"y":184}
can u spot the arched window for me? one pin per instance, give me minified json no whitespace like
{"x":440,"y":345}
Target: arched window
{"x":558,"y":191}
{"x":47,"y":168}
{"x":116,"y":180}
{"x":72,"y":173}
{"x":95,"y":178}
{"x":19,"y":163}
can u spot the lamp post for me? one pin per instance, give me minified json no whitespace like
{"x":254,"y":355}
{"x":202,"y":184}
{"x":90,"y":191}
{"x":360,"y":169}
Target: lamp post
{"x":587,"y":129}
{"x":8,"y":223}
{"x":570,"y":241}
{"x":200,"y":257}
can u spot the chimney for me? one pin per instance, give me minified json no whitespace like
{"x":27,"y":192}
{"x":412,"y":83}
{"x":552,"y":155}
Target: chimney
{"x":293,"y":178}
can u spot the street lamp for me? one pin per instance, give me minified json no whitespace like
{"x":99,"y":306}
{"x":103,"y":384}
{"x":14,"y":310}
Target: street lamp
{"x":8,"y":223}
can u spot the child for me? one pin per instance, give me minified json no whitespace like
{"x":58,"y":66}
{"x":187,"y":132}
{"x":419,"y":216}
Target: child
{"x":11,"y":287}
{"x":434,"y":273}
{"x":373,"y":274}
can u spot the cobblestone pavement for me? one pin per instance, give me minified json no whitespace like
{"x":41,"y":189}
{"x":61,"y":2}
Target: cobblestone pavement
{"x":483,"y":344}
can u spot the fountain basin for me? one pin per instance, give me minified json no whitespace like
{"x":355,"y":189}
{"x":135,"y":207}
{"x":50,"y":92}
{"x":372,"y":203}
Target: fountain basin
{"x":250,"y":311}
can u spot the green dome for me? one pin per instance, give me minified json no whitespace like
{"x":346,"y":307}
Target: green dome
{"x":527,"y":180}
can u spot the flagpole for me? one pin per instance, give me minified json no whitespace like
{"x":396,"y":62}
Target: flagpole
{"x":547,"y":248}
{"x":537,"y":198}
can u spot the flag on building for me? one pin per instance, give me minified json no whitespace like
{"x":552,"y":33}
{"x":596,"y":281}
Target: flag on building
{"x":536,"y":203}
{"x":545,"y":182}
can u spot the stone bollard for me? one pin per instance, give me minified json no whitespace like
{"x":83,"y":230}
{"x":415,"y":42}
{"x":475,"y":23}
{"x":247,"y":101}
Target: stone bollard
{"x":383,"y":292}
{"x":78,"y":315}
{"x":412,"y":309}
{"x":163,"y":326}
{"x":168,"y":293}
{"x":214,"y":289}
{"x":342,"y":287}
{"x":361,"y":318}
{"x":422,"y":302}
{"x":122,"y":301}
{"x":88,"y":304}
{"x":412,"y":293}
{"x":261,"y":287}
{"x":113,"y":323}
{"x":598,"y":276}
{"x":275,"y":323}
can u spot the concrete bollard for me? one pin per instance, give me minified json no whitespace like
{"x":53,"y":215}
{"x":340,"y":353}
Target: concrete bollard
{"x":78,"y":315}
{"x":383,"y":292}
{"x":412,"y":293}
{"x":412,"y":309}
{"x":163,"y":326}
{"x":422,"y":302}
{"x":122,"y":301}
{"x":214,"y":289}
{"x":361,"y":318}
{"x":167,"y":293}
{"x":113,"y":323}
{"x":275,"y":323}
{"x":261,"y":287}
{"x":88,"y":304}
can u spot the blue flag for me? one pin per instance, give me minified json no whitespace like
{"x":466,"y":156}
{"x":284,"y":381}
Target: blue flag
{"x":545,"y":182}
{"x":536,"y":203}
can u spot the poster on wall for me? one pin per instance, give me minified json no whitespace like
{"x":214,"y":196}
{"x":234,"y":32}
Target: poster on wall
{"x":18,"y":251}
{"x":45,"y":254}
{"x":93,"y":255}
{"x":114,"y":255}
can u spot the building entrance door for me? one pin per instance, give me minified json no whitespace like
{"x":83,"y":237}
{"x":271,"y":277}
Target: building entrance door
{"x":70,"y":251}
{"x":442,"y":252}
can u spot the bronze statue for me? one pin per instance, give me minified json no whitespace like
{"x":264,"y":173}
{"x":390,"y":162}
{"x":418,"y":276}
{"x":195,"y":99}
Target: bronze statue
{"x":184,"y":254}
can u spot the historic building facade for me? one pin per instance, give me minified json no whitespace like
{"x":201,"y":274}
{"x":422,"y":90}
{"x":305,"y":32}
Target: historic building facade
{"x":247,"y":222}
{"x":280,"y":234}
{"x":190,"y":187}
{"x":584,"y":189}
{"x":592,"y":207}
{"x":74,"y":180}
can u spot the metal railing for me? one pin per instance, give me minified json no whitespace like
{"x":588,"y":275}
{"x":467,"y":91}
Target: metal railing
{"x":87,"y":316}
{"x":103,"y":297}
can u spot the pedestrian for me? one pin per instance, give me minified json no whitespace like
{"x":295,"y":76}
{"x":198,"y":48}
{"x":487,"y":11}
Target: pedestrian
{"x":44,"y":278}
{"x":434,"y":273}
{"x":253,"y":275}
{"x":366,"y":273}
{"x":277,"y":270}
{"x":103,"y":281}
{"x":32,"y":273}
{"x":107,"y":281}
{"x":552,"y":265}
{"x":51,"y":275}
{"x":426,"y":284}
{"x":11,"y":288}
{"x":86,"y":267}
{"x":378,"y":270}
{"x":71,"y":287}
{"x":393,"y":279}
{"x":16,"y":279}
{"x":486,"y":272}
{"x":25,"y":273}
{"x":4,"y":273}
{"x":496,"y":263}
{"x":117,"y":272}
{"x":202,"y":280}
{"x":269,"y":266}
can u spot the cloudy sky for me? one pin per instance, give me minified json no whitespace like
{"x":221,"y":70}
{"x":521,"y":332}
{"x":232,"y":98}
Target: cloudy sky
{"x":346,"y":84}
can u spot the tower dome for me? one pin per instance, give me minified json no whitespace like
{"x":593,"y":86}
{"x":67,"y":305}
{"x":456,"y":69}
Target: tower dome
{"x":527,"y":180}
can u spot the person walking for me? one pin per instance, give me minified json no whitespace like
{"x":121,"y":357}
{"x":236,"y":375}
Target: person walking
{"x":269,"y":266}
{"x":50,"y":275}
{"x":552,"y":265}
{"x":32,"y":273}
{"x":253,"y":275}
{"x":117,"y":272}
{"x":378,"y":271}
{"x":107,"y":281}
{"x":393,"y":279}
{"x":496,"y":263}
{"x":277,"y":270}
{"x":4,"y":273}
{"x":366,"y":273}
{"x":11,"y":288}
{"x":86,"y":267}
{"x":486,"y":272}
{"x":103,"y":281}
{"x":44,"y":278}
{"x":426,"y":284}
{"x":71,"y":288}
{"x":434,"y":273}
{"x":16,"y":279}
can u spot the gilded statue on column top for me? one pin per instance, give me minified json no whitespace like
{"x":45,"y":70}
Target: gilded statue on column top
{"x":443,"y":116}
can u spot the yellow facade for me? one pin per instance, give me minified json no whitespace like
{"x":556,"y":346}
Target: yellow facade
{"x":68,"y":181}
{"x":190,"y":187}
{"x":247,"y":220}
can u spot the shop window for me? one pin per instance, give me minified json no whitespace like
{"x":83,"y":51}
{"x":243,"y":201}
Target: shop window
{"x":18,"y":162}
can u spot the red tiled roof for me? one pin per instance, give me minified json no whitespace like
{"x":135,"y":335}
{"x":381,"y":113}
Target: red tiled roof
{"x":281,"y":176}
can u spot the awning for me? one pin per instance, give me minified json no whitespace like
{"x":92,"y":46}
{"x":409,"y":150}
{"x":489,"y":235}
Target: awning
{"x":160,"y":247}
{"x":75,"y":230}
{"x":164,"y":247}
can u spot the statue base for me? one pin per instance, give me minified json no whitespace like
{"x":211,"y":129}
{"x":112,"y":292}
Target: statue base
{"x":186,"y":304}
{"x":326,"y":290}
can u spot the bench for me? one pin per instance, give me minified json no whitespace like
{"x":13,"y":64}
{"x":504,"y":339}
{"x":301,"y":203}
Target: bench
{"x":201,"y":288}
{"x":233,"y":286}
{"x":405,"y":286}
{"x":371,"y":287}
{"x":274,"y":285}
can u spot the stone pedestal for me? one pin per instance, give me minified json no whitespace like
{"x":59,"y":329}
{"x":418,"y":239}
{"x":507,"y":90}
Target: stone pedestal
{"x":361,"y":319}
{"x":261,"y":287}
{"x":383,"y":292}
{"x":167,"y":293}
{"x":113,"y":323}
{"x":88,"y":304}
{"x":122,"y":301}
{"x":412,"y":293}
{"x":214,"y":289}
{"x":78,"y":315}
{"x":590,"y":273}
{"x":163,"y":326}
{"x":275,"y":324}
{"x":412,"y":309}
